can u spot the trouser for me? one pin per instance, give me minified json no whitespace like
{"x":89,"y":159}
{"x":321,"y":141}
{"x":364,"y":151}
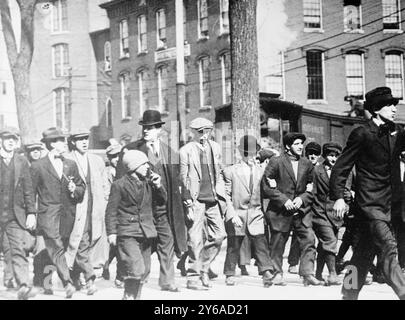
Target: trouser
{"x":164,"y":247}
{"x":294,"y":254}
{"x":7,"y":264}
{"x":56,"y":252}
{"x":19,"y":262}
{"x":245,"y":253}
{"x":82,"y":262}
{"x":208,"y":221}
{"x":327,"y":247}
{"x":113,"y":253}
{"x":260,"y":251}
{"x":399,"y":229}
{"x":375,"y":236}
{"x":306,"y":240}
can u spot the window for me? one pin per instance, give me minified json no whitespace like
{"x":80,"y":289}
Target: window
{"x":391,"y":15}
{"x":125,"y":96}
{"x":107,"y":56}
{"x":108,"y":113}
{"x":394,"y":73}
{"x":355,"y":74}
{"x":315,"y":75}
{"x":312,"y":14}
{"x":142,"y":34}
{"x":163,"y":89}
{"x":204,"y":75}
{"x":143,"y":92}
{"x":61,"y":105}
{"x":124,"y":44}
{"x":226,"y":77}
{"x":275,"y":80}
{"x":60,"y":60}
{"x":161,"y":28}
{"x":352,"y":15}
{"x":224,"y":16}
{"x":202,"y":18}
{"x":59,"y":16}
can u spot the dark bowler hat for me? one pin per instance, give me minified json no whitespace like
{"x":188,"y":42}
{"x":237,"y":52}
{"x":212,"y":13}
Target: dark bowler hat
{"x":150,"y":118}
{"x":32,"y":146}
{"x":331,"y":146}
{"x":79,"y":133}
{"x":313,"y":148}
{"x":290,"y":137}
{"x":10,"y":132}
{"x":248,"y":144}
{"x":379,"y":98}
{"x":52,"y":134}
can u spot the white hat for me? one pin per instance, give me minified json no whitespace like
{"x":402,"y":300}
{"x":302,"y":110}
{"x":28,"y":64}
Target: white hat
{"x":133,"y":159}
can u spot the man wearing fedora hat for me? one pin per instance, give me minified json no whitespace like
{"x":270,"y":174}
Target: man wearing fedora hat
{"x":17,"y":208}
{"x":287,"y":183}
{"x":374,"y":150}
{"x":325,"y":224}
{"x":244,"y":214}
{"x":169,"y":217}
{"x":59,"y":188}
{"x":203,"y":189}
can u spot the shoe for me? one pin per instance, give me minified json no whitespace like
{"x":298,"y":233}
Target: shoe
{"x":24,"y":293}
{"x":243,"y":270}
{"x":128,"y":296}
{"x":293,"y":269}
{"x":78,"y":285}
{"x":181,"y":265}
{"x":119,"y":284}
{"x":69,"y":289}
{"x":230,"y":281}
{"x":195,"y":285}
{"x":205,"y":280}
{"x":278,"y":280}
{"x":91,"y":287}
{"x":340,"y":266}
{"x":312,"y":281}
{"x":267,"y":279}
{"x":170,"y":288}
{"x":212,"y":274}
{"x":106,"y":274}
{"x":333,"y":280}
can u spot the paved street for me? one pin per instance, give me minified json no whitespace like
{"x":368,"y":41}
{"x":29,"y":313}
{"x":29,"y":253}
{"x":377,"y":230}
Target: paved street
{"x":248,"y":288}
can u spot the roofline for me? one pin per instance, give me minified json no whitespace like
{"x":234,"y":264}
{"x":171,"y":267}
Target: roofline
{"x":109,"y":4}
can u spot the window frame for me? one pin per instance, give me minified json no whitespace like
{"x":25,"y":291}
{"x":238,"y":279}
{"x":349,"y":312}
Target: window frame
{"x":59,"y":10}
{"x":124,"y":50}
{"x":202,"y":34}
{"x":64,"y":108}
{"x":222,"y":30}
{"x":314,"y":29}
{"x":360,"y":13}
{"x":64,"y":66}
{"x":161,"y":44}
{"x":224,"y":79}
{"x":363,"y":73}
{"x":163,"y":99}
{"x":107,"y":54}
{"x":202,"y":82}
{"x":401,"y":59}
{"x":142,"y":44}
{"x":141,"y":74}
{"x":281,"y":75}
{"x":125,"y":95}
{"x":108,"y":119}
{"x":323,"y":99}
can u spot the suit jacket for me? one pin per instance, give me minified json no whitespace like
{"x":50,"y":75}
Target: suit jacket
{"x":24,"y":199}
{"x":374,"y":156}
{"x":129,"y":208}
{"x":170,"y":162}
{"x":322,"y":206}
{"x":56,"y":205}
{"x":284,"y":187}
{"x":242,"y":202}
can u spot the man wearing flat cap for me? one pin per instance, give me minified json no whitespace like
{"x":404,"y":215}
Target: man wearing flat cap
{"x":325,"y":224}
{"x":169,"y":218}
{"x":313,"y":152}
{"x":202,"y":186}
{"x":88,"y":245}
{"x":33,"y":151}
{"x":374,"y":150}
{"x":59,"y":188}
{"x":17,"y":208}
{"x":287,"y":183}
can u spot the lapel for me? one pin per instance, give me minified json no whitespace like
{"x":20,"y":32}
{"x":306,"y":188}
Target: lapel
{"x":66,"y":170}
{"x":287,"y":164}
{"x":324,"y":174}
{"x":81,"y":173}
{"x":17,"y":169}
{"x":195,"y":155}
{"x":382,"y":140}
{"x":301,"y":169}
{"x":134,"y":190}
{"x":256,"y":176}
{"x":393,"y":141}
{"x":50,"y":168}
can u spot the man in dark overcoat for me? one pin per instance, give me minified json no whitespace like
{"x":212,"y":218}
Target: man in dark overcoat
{"x":373,"y":149}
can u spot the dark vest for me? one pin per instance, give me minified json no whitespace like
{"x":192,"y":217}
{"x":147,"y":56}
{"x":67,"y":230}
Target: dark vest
{"x":207,"y":183}
{"x":6,"y":191}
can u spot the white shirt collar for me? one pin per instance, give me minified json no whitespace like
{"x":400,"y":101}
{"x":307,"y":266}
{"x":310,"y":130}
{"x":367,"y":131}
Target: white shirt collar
{"x":378,"y":122}
{"x":6,"y":155}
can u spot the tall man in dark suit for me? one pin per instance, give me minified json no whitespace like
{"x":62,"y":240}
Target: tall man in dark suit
{"x":169,"y":217}
{"x":17,"y":207}
{"x":59,"y":187}
{"x":374,"y":149}
{"x":287,"y":182}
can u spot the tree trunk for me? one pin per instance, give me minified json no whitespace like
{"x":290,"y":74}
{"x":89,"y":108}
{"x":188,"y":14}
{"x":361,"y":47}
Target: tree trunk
{"x":244,"y":61}
{"x":20,"y":62}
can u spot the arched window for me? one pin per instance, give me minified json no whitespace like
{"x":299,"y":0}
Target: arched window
{"x":108,"y":113}
{"x":125,"y":95}
{"x":315,"y":74}
{"x":355,"y":74}
{"x":204,"y":77}
{"x":394,"y":73}
{"x":62,"y":108}
{"x":60,"y":60}
{"x":142,"y":34}
{"x":225,"y":60}
{"x":107,"y":56}
{"x":161,"y":28}
{"x":143,"y":91}
{"x":59,"y":16}
{"x":202,"y":18}
{"x":124,"y":39}
{"x":163,"y":89}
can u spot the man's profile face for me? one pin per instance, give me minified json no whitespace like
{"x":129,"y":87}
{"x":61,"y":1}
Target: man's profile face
{"x":388,"y":112}
{"x":296,"y":147}
{"x":151,"y":133}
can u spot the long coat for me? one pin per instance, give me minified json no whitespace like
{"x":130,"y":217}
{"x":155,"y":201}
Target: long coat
{"x":242,"y":202}
{"x":56,"y":205}
{"x":99,"y":187}
{"x":174,"y":203}
{"x":279,"y":185}
{"x":322,"y":206}
{"x":374,"y":156}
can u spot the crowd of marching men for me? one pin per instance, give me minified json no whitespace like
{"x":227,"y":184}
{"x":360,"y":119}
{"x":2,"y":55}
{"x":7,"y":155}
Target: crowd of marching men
{"x":74,"y":214}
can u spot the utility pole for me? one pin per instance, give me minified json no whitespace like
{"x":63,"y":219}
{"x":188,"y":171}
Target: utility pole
{"x":181,"y":83}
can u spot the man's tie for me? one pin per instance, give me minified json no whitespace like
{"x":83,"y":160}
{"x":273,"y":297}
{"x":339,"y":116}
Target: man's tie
{"x":58,"y":156}
{"x":251,"y":180}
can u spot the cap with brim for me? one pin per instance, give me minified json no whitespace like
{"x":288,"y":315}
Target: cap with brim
{"x":80,"y":133}
{"x":331,"y":147}
{"x":249,"y":144}
{"x":290,"y":137}
{"x":53,"y":134}
{"x":10,"y":132}
{"x":113,"y":150}
{"x":313,"y":148}
{"x":33,"y":146}
{"x":201,"y":123}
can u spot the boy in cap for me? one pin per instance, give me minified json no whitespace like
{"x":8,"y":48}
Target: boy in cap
{"x":287,"y":182}
{"x":313,"y":152}
{"x":129,"y":219}
{"x":17,"y":208}
{"x":203,"y":188}
{"x":325,"y":224}
{"x":374,"y":150}
{"x":244,"y":214}
{"x":33,"y":151}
